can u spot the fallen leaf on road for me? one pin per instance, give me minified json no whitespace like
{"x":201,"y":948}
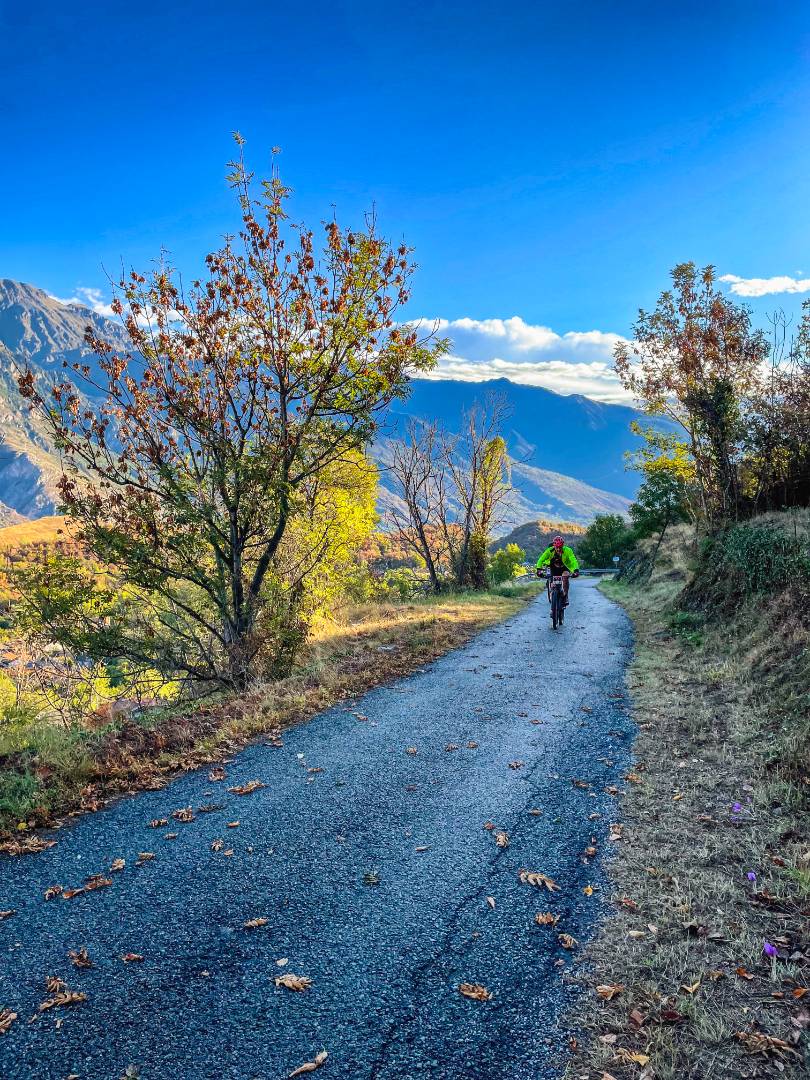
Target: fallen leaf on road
{"x":68,"y":894}
{"x":132,"y":958}
{"x":310,"y":1066}
{"x":799,"y":991}
{"x":581,"y":784}
{"x":293,"y":982}
{"x":489,"y":826}
{"x":170,"y":836}
{"x":216,"y":774}
{"x":422,"y":847}
{"x":608,"y":991}
{"x":65,"y":997}
{"x":52,"y":891}
{"x":535,"y":812}
{"x":252,"y":924}
{"x":158,"y":822}
{"x":248,"y":788}
{"x":615,"y":832}
{"x":217,"y":845}
{"x":7,"y":913}
{"x":534,"y":877}
{"x":515,"y":764}
{"x":475,"y":991}
{"x":55,"y":985}
{"x":210,"y":808}
{"x":80,"y":958}
{"x":97,"y":881}
{"x":186,"y":813}
{"x":502,"y":839}
{"x":545,"y":918}
{"x":452,"y":746}
{"x":472,"y":745}
{"x":567,"y":941}
{"x":7,"y":1018}
{"x":588,"y":890}
{"x":144,"y":856}
{"x":410,"y":750}
{"x":117,"y":864}
{"x":744,"y":974}
{"x":491,"y":902}
{"x":231,"y":824}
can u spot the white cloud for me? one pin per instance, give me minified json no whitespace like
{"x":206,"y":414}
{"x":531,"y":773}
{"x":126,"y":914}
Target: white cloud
{"x":575,"y":362}
{"x":766,"y":286}
{"x":88,"y":298}
{"x":595,"y":380}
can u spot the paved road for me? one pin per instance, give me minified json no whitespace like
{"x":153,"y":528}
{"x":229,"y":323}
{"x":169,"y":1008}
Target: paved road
{"x":385,"y":959}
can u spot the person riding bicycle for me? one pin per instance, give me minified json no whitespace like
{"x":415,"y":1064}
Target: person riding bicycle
{"x":561,"y":562}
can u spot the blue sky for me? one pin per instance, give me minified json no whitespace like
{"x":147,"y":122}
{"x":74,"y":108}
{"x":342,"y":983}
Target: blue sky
{"x":549,"y":162}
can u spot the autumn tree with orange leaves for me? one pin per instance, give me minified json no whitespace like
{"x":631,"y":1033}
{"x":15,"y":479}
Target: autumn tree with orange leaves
{"x":214,"y":439}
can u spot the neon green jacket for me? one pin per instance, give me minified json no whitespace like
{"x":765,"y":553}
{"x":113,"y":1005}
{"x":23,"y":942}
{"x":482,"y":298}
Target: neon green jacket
{"x":568,"y":557}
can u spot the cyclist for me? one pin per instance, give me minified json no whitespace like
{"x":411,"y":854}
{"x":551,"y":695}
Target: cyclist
{"x":561,"y":562}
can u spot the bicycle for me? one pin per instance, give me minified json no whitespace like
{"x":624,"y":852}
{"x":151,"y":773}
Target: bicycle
{"x":556,"y":598}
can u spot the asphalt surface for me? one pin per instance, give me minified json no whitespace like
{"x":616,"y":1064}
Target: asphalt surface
{"x":385,"y":958}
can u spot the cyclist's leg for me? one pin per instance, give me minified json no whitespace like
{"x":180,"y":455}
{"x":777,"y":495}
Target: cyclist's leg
{"x":565,"y":576}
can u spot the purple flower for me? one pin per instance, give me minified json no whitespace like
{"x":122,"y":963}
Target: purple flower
{"x":751,"y":875}
{"x":736,"y":808}
{"x":770,"y":950}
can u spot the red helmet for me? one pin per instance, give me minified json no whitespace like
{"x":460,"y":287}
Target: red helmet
{"x":558,"y":541}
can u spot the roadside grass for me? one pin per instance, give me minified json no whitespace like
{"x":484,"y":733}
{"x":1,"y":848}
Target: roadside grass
{"x":49,"y":771}
{"x":721,"y":760}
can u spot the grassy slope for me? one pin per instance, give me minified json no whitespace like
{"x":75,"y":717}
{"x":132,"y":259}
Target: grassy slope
{"x":722,"y":710}
{"x":38,"y":531}
{"x":47,"y":770}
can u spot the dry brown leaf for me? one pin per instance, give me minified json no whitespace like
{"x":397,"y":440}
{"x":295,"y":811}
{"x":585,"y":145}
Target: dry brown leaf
{"x":248,"y":788}
{"x":144,"y":856}
{"x":410,"y":750}
{"x":471,"y":745}
{"x":185,"y":813}
{"x":80,"y":958}
{"x":52,"y":891}
{"x":583,"y":784}
{"x":630,"y":1057}
{"x":170,"y":836}
{"x":691,"y":988}
{"x":117,"y":864}
{"x":744,"y":974}
{"x":158,"y":822}
{"x":7,"y":1018}
{"x":66,"y":997}
{"x":231,"y":824}
{"x":422,"y":847}
{"x":637,"y":1018}
{"x":228,"y":852}
{"x":633,"y":778}
{"x":502,"y":839}
{"x":515,"y":764}
{"x":615,"y":832}
{"x":310,"y":1066}
{"x":545,"y":918}
{"x":252,"y":924}
{"x":799,"y":991}
{"x":26,"y":845}
{"x":452,"y":746}
{"x":7,"y":913}
{"x":488,"y":825}
{"x":534,"y":877}
{"x":55,"y":985}
{"x":609,"y":991}
{"x":132,"y":958}
{"x":636,"y":934}
{"x":491,"y":902}
{"x":475,"y":991}
{"x":567,"y":941}
{"x":293,"y":982}
{"x":589,"y":852}
{"x":757,"y":1043}
{"x":97,"y":881}
{"x":68,"y":894}
{"x":217,"y":845}
{"x":535,"y":812}
{"x":216,"y":774}
{"x":588,"y":890}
